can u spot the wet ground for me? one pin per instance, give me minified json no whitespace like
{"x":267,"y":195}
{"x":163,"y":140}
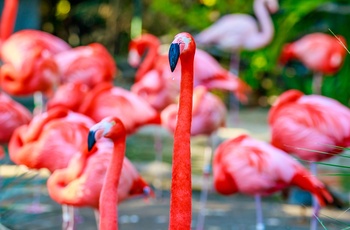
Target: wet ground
{"x":21,"y":189}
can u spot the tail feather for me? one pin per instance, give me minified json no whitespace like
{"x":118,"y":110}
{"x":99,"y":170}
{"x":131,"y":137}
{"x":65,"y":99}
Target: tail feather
{"x":308,"y":182}
{"x":286,"y":54}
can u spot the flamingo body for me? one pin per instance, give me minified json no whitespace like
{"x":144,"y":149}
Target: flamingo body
{"x":208,"y":114}
{"x":105,"y":100}
{"x":253,"y":167}
{"x":46,"y":142}
{"x":29,"y":65}
{"x":317,"y":51}
{"x":88,"y":65}
{"x":304,"y":124}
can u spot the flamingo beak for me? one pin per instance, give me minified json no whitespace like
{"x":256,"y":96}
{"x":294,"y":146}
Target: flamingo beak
{"x":91,"y":139}
{"x":174,"y":54}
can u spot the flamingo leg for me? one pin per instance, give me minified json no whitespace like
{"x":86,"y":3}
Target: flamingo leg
{"x":208,"y":151}
{"x":97,"y":217}
{"x":67,"y":217}
{"x":315,"y":205}
{"x":317,"y":83}
{"x":158,"y":146}
{"x":39,"y":102}
{"x":259,"y":216}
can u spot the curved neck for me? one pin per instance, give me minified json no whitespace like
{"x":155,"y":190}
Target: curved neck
{"x":109,"y":196}
{"x":266,"y":26}
{"x":181,"y":185}
{"x":8,"y":19}
{"x":148,"y":62}
{"x":60,"y":179}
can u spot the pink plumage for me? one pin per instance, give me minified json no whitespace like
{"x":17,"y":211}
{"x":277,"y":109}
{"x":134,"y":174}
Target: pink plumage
{"x":46,"y":142}
{"x":88,"y":65}
{"x":306,"y":125}
{"x":253,"y":167}
{"x":208,"y":113}
{"x":317,"y":51}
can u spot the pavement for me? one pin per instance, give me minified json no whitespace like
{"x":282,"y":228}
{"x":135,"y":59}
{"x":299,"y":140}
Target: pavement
{"x":25,"y":204}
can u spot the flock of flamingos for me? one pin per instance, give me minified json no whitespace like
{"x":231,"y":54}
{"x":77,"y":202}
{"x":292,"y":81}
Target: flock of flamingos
{"x":81,"y":121}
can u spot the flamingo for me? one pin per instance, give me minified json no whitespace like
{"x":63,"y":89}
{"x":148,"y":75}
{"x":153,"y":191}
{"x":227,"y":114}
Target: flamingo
{"x":107,"y":100}
{"x":27,"y":55}
{"x":309,"y":126}
{"x":208,"y":115}
{"x":81,"y":182}
{"x":253,"y":167}
{"x":183,"y":47}
{"x":89,"y":64}
{"x":152,"y":77}
{"x":46,"y":142}
{"x":321,"y":53}
{"x":111,"y":128}
{"x":234,"y":32}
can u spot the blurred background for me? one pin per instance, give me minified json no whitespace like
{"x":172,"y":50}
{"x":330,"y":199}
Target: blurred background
{"x":113,"y":23}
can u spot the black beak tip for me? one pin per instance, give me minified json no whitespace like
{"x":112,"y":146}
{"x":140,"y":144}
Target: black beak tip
{"x":91,"y":140}
{"x":174,"y":54}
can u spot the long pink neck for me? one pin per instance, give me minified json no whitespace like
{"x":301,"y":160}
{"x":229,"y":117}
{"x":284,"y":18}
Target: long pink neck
{"x":181,"y":187}
{"x":109,"y":196}
{"x":148,"y":61}
{"x":8,"y":19}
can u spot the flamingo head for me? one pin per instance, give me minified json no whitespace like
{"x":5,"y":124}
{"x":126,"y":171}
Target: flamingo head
{"x":182,"y":45}
{"x":272,"y":5}
{"x":110,"y":127}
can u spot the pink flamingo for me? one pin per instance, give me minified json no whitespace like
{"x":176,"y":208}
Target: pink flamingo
{"x":88,"y":65}
{"x":207,"y":72}
{"x":208,"y":115}
{"x":111,"y":128}
{"x":107,"y":100}
{"x":87,"y":182}
{"x":183,"y":47}
{"x":235,"y":32}
{"x":46,"y":141}
{"x":309,"y":126}
{"x":27,"y":55}
{"x":321,"y":53}
{"x":253,"y":167}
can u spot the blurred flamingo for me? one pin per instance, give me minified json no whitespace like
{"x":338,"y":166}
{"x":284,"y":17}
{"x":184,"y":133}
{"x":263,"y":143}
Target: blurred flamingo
{"x":321,"y":53}
{"x":46,"y":142}
{"x":235,"y":32}
{"x":208,"y":115}
{"x":253,"y":167}
{"x":86,"y":181}
{"x":313,"y":127}
{"x":12,"y":115}
{"x":309,"y":126}
{"x":183,"y":47}
{"x":207,"y":72}
{"x":88,"y":65}
{"x":28,"y":67}
{"x":107,"y":100}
